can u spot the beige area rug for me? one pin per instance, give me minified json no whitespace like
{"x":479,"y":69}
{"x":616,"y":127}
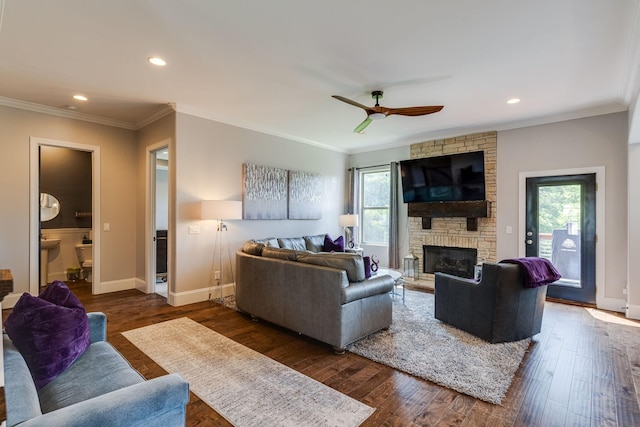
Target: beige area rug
{"x":419,"y":344}
{"x":244,"y":386}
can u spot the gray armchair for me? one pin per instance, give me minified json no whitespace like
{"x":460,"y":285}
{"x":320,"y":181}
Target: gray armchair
{"x":497,"y":309}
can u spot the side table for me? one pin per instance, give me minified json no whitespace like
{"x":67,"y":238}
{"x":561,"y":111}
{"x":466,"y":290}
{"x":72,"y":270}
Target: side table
{"x":398,"y":280}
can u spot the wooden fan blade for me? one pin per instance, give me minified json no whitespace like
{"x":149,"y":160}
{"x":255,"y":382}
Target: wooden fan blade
{"x":414,"y":111}
{"x":348,"y":101}
{"x":362,"y":126}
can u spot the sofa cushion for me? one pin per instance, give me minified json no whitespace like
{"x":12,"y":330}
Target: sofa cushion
{"x":280,"y":253}
{"x":50,"y":331}
{"x":351,"y":263}
{"x":269,"y":241}
{"x":252,"y":247}
{"x":296,"y":243}
{"x":333,"y":245}
{"x":100,"y":370}
{"x":315,"y":243}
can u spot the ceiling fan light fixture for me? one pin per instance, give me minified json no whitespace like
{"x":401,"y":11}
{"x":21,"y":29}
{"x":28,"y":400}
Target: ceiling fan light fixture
{"x":377,"y":116}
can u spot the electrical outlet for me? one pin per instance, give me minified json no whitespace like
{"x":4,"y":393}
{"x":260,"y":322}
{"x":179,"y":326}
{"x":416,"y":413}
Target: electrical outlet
{"x":194,"y":229}
{"x":106,"y":226}
{"x":216,"y":275}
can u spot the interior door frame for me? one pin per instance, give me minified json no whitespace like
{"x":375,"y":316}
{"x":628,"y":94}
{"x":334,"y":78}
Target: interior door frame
{"x":599,"y":171}
{"x":34,"y":207}
{"x":150,"y":219}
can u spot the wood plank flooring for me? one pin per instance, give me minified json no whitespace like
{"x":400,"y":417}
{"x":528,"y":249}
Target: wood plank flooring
{"x":579,"y":371}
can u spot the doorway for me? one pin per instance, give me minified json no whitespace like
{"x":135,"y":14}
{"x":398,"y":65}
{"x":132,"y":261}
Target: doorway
{"x":158,"y":220}
{"x":561,"y":226}
{"x":35,"y":209}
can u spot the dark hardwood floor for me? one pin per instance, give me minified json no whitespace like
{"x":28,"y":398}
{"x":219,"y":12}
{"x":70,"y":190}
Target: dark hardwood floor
{"x":579,"y":371}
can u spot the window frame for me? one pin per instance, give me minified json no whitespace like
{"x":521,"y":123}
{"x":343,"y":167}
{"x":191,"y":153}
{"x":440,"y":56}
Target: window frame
{"x":361,"y":205}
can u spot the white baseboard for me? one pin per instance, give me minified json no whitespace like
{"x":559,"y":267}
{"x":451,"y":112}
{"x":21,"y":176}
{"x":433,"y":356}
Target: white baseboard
{"x":612,"y":304}
{"x":141,"y":285}
{"x":633,"y":312}
{"x":199,"y":295}
{"x":115,"y":286}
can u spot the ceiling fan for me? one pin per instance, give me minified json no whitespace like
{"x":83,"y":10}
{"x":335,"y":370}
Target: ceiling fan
{"x":378,"y":112}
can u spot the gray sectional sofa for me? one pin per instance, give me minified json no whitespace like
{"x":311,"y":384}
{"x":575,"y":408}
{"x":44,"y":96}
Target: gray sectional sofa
{"x":292,"y":283}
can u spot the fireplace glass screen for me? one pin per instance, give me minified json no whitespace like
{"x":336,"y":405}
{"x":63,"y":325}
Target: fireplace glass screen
{"x":451,"y":260}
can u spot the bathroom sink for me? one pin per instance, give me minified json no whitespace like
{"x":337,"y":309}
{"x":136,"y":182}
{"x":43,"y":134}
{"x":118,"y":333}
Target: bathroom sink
{"x":45,"y":246}
{"x":49,"y":243}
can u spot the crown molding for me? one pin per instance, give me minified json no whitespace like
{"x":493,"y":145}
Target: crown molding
{"x":161,"y":112}
{"x":69,"y":114}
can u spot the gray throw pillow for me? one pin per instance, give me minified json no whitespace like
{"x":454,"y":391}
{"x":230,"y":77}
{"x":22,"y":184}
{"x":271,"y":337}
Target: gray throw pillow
{"x":351,"y":263}
{"x":296,"y":243}
{"x":314,"y":243}
{"x":252,"y":247}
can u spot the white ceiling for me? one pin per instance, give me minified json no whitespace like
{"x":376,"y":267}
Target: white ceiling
{"x":272,"y":66}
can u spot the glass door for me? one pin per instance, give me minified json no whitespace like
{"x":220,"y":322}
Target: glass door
{"x":560,"y":226}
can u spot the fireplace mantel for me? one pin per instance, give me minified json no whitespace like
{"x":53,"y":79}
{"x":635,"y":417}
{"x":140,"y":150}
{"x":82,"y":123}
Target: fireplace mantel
{"x":470,"y":210}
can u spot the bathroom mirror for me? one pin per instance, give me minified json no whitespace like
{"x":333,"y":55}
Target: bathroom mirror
{"x":49,"y":207}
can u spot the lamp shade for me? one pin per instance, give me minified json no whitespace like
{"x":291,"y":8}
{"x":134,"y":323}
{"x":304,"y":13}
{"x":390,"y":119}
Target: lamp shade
{"x":348,"y":220}
{"x":220,"y":209}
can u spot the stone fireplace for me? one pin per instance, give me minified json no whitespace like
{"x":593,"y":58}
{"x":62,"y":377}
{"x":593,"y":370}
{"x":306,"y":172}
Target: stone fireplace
{"x":452,"y":232}
{"x":451,"y":260}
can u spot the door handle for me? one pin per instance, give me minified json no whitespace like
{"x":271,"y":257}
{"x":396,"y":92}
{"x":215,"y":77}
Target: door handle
{"x":529,"y":233}
{"x":529,"y":241}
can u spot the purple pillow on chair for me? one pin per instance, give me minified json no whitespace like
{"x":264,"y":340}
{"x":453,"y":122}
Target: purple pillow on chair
{"x":50,"y":331}
{"x":333,"y":245}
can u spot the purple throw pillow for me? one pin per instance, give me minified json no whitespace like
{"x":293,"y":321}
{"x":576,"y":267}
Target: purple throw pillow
{"x":367,"y":266}
{"x":50,"y":331}
{"x":333,"y":245}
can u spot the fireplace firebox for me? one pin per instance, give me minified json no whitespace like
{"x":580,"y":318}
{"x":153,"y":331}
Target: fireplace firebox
{"x":451,"y":260}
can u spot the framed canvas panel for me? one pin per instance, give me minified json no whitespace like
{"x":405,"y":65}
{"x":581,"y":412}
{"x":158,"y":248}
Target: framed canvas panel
{"x":305,"y":195}
{"x":264,"y":192}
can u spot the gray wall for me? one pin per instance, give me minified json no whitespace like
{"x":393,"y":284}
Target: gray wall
{"x":208,"y":161}
{"x":118,"y":192}
{"x":588,"y":142}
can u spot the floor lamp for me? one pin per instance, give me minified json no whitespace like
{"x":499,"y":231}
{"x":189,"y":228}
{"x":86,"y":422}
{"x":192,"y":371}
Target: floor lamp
{"x":347,"y":221}
{"x":220,"y":210}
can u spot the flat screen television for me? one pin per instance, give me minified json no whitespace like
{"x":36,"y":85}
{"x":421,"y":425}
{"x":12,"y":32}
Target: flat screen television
{"x":451,"y":178}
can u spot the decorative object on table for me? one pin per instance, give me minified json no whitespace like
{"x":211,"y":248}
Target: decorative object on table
{"x":305,"y":195}
{"x":73,"y":274}
{"x":238,"y":375}
{"x":411,"y":266}
{"x":421,"y":345}
{"x":264,"y":192}
{"x":477,"y":270}
{"x":375,"y":264}
{"x":347,"y":222}
{"x":220,"y":210}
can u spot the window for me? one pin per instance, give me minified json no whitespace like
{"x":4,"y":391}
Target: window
{"x":374,"y":206}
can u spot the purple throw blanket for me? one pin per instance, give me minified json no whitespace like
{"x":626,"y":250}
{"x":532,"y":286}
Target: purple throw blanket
{"x":537,"y":271}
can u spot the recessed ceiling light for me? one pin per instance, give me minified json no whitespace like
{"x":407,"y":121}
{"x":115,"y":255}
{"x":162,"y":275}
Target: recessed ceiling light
{"x":513,"y":101}
{"x":157,"y":61}
{"x":80,"y":98}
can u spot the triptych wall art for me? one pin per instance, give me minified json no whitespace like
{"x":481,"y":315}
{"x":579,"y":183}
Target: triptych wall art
{"x":274,"y":193}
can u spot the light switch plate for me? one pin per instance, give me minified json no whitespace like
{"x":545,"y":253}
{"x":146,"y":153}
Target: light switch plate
{"x":194,"y":229}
